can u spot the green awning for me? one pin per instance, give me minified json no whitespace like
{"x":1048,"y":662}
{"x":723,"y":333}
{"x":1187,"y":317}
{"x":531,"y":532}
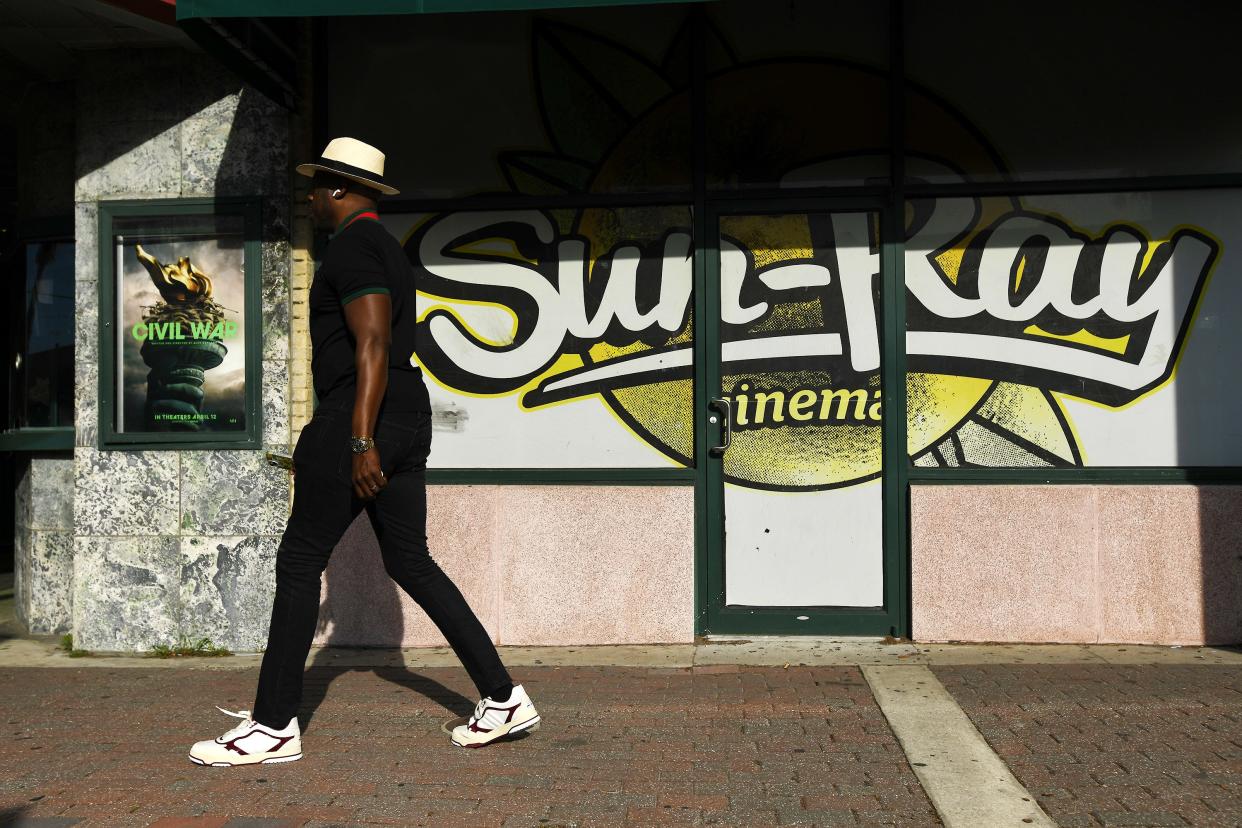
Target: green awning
{"x":196,"y":9}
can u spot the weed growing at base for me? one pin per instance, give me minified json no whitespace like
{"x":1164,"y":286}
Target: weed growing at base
{"x":203,"y":647}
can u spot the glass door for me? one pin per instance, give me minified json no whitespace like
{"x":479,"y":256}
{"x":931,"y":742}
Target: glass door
{"x":800,"y":538}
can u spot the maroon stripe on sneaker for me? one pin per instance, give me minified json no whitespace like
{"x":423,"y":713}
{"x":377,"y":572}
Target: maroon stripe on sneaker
{"x":280,"y":742}
{"x":474,"y":725}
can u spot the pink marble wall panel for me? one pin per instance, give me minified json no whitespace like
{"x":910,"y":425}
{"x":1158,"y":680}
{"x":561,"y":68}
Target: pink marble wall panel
{"x":538,"y":564}
{"x":1220,"y":550}
{"x":1169,"y":564}
{"x":597,"y":565}
{"x":363,"y":607}
{"x":1002,"y":563}
{"x":1133,"y":564}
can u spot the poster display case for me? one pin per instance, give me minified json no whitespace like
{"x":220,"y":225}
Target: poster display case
{"x":179,"y":324}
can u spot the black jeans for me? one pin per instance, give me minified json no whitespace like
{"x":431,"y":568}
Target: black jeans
{"x":323,"y":508}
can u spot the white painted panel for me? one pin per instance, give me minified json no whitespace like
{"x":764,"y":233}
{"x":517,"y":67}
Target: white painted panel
{"x":804,"y":548}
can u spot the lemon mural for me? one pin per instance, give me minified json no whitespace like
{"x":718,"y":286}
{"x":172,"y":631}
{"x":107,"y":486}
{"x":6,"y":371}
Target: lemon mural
{"x":1007,"y":307}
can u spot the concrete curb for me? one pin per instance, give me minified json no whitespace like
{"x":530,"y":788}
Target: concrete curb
{"x":759,"y":652}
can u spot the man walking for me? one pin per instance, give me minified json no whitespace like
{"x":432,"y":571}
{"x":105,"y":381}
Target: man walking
{"x":365,"y":448}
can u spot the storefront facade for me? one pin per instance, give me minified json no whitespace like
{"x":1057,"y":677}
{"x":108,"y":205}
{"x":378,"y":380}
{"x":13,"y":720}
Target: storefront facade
{"x":738,"y":319}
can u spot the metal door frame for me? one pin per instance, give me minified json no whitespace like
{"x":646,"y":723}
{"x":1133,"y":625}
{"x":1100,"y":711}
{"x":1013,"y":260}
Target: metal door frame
{"x":714,"y":617}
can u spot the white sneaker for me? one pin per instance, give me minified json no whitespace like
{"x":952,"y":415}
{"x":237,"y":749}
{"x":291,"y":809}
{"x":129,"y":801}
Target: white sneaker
{"x":492,"y":720}
{"x":249,"y":743}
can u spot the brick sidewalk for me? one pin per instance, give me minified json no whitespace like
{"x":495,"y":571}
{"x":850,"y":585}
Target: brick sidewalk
{"x":1110,"y":745}
{"x":718,"y":745}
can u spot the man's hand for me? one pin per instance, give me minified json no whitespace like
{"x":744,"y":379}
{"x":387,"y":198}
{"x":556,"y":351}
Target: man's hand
{"x":368,"y":479}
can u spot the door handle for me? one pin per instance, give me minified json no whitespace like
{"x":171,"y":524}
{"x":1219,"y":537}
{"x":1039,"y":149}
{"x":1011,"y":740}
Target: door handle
{"x":725,"y":407}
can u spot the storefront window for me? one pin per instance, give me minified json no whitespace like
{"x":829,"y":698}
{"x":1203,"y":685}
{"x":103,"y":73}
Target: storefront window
{"x":1070,"y":90}
{"x":542,"y":104}
{"x":557,"y":338}
{"x":41,"y":330}
{"x":1075,"y":330}
{"x":797,"y":94}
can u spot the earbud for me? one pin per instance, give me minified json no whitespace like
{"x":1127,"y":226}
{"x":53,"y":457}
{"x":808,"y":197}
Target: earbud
{"x":337,"y":193}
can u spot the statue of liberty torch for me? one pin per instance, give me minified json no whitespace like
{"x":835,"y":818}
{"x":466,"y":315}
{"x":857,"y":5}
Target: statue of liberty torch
{"x":187,"y":316}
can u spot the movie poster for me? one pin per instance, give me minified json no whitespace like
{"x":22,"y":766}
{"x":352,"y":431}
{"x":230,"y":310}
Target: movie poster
{"x":182,"y":344}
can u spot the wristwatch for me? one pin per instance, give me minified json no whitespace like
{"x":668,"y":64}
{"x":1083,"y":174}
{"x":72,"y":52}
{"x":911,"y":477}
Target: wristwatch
{"x":361,"y":445}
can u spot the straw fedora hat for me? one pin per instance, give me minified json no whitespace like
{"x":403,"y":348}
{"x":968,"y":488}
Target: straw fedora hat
{"x":352,"y":159}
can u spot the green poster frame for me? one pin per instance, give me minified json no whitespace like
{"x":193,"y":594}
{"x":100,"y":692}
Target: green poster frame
{"x":250,"y":210}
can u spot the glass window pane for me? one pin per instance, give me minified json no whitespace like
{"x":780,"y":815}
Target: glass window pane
{"x":1109,"y":88}
{"x":538,"y":103}
{"x":42,"y":368}
{"x":556,"y":339}
{"x":797,"y":94}
{"x":1075,"y":330}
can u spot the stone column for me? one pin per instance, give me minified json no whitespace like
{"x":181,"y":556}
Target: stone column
{"x":43,"y":544}
{"x":170,"y":543}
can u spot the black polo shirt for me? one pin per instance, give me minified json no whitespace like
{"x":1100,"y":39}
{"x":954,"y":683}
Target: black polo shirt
{"x":363,"y":258}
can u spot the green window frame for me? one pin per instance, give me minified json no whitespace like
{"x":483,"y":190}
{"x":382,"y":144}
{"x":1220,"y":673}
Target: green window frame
{"x":249,"y":209}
